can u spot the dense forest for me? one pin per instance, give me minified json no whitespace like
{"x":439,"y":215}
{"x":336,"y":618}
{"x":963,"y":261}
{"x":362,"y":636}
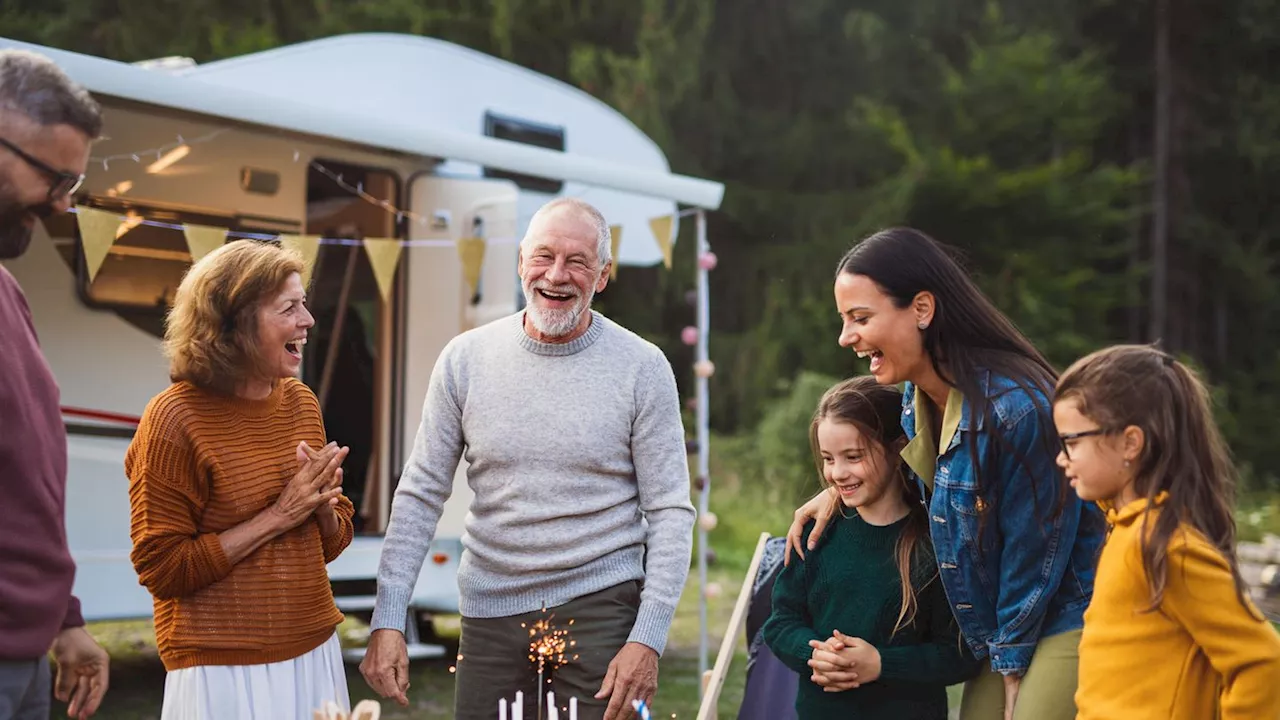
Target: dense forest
{"x":1109,"y":169}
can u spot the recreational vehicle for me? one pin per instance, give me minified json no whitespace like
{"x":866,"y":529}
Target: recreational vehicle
{"x":347,"y":138}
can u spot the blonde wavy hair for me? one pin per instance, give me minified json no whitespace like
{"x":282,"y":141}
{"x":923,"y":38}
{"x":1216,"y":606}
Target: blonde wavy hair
{"x":211,"y":334}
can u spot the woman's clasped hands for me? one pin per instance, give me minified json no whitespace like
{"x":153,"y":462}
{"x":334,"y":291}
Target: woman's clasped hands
{"x":316,"y":486}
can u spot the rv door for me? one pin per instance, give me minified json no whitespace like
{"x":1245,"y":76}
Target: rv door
{"x":440,"y":304}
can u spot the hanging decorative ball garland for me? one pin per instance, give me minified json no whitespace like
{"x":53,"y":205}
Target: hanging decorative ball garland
{"x":702,"y":369}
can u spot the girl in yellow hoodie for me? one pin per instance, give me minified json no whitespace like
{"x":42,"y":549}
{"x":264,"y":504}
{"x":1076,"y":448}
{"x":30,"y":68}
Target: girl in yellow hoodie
{"x":1170,"y":633}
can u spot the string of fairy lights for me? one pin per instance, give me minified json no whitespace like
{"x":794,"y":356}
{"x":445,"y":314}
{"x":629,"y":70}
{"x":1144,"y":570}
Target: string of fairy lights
{"x":175,"y":148}
{"x":170,"y":153}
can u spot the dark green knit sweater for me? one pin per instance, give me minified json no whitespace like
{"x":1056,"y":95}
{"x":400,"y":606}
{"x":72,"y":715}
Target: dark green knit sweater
{"x":850,"y":583}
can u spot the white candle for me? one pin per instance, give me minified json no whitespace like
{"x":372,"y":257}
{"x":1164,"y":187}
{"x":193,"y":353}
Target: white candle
{"x":517,"y":709}
{"x":573,"y":708}
{"x":502,"y":709}
{"x":552,"y":712}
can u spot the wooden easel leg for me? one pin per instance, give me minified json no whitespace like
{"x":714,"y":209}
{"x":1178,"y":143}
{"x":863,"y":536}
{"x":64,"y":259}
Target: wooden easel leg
{"x":710,"y":713}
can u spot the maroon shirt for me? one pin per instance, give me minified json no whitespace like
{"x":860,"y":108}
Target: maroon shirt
{"x":36,"y":570}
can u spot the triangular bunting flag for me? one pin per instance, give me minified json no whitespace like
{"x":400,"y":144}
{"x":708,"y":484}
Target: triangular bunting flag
{"x":471,"y":253}
{"x":383,"y":253}
{"x":308,"y":246}
{"x":97,"y":233}
{"x":615,"y":241}
{"x":202,"y":239}
{"x":661,"y":227}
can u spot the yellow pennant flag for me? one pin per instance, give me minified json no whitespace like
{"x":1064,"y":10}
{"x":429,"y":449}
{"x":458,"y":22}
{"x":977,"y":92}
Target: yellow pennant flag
{"x":471,"y":253}
{"x":98,"y":230}
{"x":202,"y":239}
{"x":308,"y":246}
{"x":661,"y":227}
{"x":615,"y":241}
{"x":384,"y":254}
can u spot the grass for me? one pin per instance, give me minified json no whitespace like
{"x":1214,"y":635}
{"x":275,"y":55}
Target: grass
{"x":1257,"y":515}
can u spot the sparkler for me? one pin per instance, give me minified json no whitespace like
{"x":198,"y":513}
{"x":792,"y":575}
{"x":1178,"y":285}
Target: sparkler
{"x":550,"y":647}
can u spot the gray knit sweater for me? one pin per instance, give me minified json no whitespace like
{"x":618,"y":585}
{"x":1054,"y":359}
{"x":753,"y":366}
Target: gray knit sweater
{"x":576,"y":457}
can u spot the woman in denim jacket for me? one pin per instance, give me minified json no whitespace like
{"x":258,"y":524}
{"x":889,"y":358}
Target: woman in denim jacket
{"x":1016,"y":549}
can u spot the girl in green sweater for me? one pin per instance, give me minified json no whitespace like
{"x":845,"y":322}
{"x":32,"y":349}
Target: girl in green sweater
{"x":870,"y":591}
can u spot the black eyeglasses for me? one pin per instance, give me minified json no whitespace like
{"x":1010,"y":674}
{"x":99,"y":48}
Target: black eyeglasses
{"x":1065,"y":440}
{"x":61,"y":182}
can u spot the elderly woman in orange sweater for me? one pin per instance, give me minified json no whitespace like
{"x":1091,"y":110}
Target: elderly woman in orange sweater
{"x":236,"y":499}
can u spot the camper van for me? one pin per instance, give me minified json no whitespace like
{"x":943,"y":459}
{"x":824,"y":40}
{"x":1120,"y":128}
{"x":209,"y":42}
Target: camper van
{"x":346,"y":138}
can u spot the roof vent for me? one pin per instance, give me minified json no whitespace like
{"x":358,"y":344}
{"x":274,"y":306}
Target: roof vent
{"x":173,"y":64}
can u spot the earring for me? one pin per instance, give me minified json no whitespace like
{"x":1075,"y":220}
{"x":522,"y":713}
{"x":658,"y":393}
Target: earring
{"x":922,"y":325}
{"x":1127,"y":463}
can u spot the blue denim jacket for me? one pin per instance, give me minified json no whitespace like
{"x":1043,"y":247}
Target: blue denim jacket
{"x":1033,"y":576}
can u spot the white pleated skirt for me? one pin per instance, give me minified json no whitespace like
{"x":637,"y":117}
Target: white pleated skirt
{"x":287,"y":690}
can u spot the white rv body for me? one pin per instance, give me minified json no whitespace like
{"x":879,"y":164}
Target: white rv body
{"x":408,"y":111}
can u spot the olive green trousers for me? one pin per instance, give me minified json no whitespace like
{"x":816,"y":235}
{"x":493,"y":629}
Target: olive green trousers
{"x":1047,"y":691}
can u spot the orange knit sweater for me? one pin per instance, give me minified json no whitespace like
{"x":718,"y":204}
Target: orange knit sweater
{"x":201,"y":464}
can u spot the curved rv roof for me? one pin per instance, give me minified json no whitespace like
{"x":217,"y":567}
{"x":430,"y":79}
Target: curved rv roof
{"x":436,"y":83}
{"x":222,"y":89}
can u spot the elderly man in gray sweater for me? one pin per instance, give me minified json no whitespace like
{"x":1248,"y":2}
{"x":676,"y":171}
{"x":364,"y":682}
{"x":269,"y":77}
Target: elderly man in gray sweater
{"x":571,"y":428}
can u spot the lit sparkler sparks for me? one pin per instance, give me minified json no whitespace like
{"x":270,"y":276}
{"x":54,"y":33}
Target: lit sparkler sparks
{"x":550,"y":648}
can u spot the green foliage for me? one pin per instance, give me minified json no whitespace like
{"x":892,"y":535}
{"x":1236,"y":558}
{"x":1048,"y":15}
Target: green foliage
{"x":1018,"y":131}
{"x":983,"y":136}
{"x":781,"y":449}
{"x":1252,"y":403}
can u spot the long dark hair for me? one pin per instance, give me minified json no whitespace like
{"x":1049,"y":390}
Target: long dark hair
{"x":1184,"y":454}
{"x":873,"y":409}
{"x":967,"y":336}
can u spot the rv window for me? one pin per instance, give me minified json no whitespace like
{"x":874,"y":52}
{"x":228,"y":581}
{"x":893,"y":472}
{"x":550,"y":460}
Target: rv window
{"x":145,"y":264}
{"x":528,"y":133}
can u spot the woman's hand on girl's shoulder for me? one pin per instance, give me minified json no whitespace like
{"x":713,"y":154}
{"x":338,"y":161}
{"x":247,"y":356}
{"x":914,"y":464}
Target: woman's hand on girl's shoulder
{"x":820,"y":509}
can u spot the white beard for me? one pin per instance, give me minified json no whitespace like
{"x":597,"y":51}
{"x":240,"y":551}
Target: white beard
{"x":553,"y":323}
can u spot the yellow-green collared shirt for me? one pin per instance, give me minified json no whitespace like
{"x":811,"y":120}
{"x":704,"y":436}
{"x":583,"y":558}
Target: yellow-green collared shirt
{"x":921,"y":454}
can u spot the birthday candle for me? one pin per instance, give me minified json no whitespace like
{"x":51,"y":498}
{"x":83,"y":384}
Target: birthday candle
{"x":517,"y":708}
{"x":502,"y":709}
{"x":641,"y":709}
{"x":573,"y":708}
{"x":553,"y":713}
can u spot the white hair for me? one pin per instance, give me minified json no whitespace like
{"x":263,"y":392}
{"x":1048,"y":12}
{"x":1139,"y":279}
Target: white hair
{"x":604,"y":244}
